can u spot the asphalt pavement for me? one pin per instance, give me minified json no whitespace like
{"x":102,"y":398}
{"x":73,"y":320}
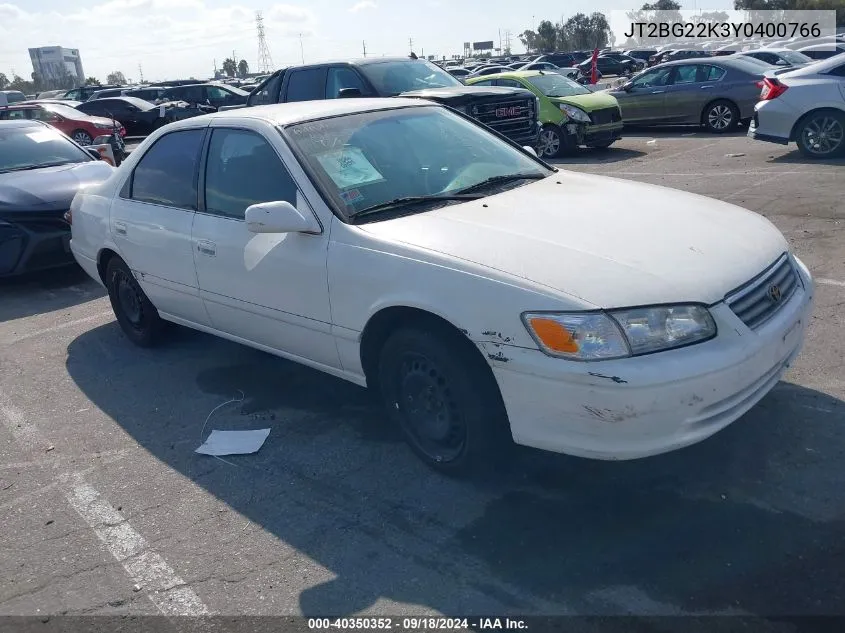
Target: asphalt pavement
{"x":106,"y":509}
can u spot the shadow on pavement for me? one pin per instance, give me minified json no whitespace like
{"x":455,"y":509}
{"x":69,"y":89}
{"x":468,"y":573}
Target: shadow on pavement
{"x":676,"y":131}
{"x":592,"y":156}
{"x":795,"y":157}
{"x":46,"y":291}
{"x":749,"y":520}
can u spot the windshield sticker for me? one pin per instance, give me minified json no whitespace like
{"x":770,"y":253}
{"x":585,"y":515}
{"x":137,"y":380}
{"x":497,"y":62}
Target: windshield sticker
{"x":41,"y":137}
{"x":348,"y":167}
{"x":353,"y":196}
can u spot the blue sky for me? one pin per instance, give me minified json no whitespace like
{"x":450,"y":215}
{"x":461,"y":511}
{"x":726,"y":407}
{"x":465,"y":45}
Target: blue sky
{"x":178,"y":38}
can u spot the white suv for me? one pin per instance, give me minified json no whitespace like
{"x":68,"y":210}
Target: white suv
{"x":807,"y":106}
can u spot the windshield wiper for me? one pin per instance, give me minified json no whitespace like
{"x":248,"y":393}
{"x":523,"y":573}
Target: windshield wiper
{"x":406,"y":200}
{"x":495,"y":180}
{"x":30,"y":167}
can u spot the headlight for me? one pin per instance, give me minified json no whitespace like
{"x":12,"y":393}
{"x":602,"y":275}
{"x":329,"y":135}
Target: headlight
{"x":619,"y":333}
{"x":576,"y":114}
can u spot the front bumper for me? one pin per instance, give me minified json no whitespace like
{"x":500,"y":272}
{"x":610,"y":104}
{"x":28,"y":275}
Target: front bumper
{"x":29,"y":243}
{"x":647,"y":405}
{"x":589,"y":134}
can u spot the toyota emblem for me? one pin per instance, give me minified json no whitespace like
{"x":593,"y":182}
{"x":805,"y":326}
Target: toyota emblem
{"x":774,"y":293}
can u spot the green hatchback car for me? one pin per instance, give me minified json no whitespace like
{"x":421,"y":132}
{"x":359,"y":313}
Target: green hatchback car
{"x":571,"y":114}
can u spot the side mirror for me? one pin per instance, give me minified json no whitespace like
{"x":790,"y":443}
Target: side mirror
{"x":780,"y":62}
{"x":93,"y":153}
{"x":278,"y":217}
{"x":627,"y":87}
{"x":346,"y":93}
{"x":530,"y":150}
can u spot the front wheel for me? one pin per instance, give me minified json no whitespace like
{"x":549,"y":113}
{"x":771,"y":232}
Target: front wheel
{"x":550,"y":141}
{"x":720,"y":116}
{"x":136,"y":315}
{"x":82,"y":137}
{"x":444,"y":399}
{"x":822,"y":134}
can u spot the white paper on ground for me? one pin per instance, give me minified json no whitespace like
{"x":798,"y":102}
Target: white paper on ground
{"x":233,"y":442}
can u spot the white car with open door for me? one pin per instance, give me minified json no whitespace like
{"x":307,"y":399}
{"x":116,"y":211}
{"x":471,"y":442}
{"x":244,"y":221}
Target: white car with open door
{"x":490,"y":297}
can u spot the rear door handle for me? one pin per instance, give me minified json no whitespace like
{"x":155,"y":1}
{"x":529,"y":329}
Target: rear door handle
{"x":707,"y":87}
{"x":205,"y":247}
{"x":657,"y":92}
{"x":120,"y":228}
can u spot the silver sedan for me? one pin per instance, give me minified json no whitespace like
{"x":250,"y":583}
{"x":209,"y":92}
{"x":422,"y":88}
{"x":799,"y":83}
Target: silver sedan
{"x":716,"y":92}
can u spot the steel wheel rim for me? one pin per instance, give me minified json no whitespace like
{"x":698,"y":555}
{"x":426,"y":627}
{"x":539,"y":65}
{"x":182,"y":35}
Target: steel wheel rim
{"x":720,"y":117}
{"x":430,"y":414}
{"x":823,"y":135}
{"x":129,"y":299}
{"x":83,"y":138}
{"x":549,"y":142}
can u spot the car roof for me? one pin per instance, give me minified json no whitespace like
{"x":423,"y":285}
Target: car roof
{"x":301,"y":111}
{"x":821,"y":66}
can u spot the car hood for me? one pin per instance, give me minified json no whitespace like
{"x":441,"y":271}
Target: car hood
{"x":50,"y":188}
{"x":466,"y":94}
{"x":590,"y":102}
{"x":606,"y":241}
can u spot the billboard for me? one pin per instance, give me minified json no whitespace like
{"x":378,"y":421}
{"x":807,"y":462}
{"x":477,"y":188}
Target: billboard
{"x":482,"y":46}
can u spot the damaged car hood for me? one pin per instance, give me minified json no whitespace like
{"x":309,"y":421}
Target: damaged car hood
{"x":608,"y":242}
{"x":48,"y":188}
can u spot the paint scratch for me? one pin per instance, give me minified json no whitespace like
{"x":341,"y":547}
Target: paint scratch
{"x":615,"y":379}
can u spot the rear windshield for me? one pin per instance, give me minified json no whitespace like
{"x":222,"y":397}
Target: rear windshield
{"x":36,"y":146}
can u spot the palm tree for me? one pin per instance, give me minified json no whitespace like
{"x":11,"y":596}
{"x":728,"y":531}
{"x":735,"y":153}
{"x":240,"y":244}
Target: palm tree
{"x":243,"y":68}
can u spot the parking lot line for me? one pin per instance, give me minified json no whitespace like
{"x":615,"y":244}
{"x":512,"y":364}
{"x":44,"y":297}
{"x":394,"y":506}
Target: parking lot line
{"x":830,"y":282}
{"x":60,"y":326}
{"x":164,"y":587}
{"x":686,"y":151}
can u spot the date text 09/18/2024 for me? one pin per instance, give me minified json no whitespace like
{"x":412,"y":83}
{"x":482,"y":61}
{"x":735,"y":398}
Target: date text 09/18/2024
{"x":416,"y":624}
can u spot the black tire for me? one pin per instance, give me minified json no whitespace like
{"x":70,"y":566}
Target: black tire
{"x":138,"y":318}
{"x":551,"y":142}
{"x":821,"y":134}
{"x":720,"y":116}
{"x":445,"y":400}
{"x":82,"y":137}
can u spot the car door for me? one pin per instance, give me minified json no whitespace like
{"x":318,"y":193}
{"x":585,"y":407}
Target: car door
{"x":216,"y":96}
{"x":684,"y":95}
{"x":644,"y":98}
{"x":270,"y":289}
{"x":151,"y":223}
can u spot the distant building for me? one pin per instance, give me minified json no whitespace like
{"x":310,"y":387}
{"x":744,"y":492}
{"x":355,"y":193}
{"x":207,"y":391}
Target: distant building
{"x":54,"y":65}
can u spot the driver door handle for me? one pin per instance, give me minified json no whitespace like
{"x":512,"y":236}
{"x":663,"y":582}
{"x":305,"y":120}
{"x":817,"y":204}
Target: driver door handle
{"x":120,"y":228}
{"x":205,"y":247}
{"x":657,"y":92}
{"x":707,"y":87}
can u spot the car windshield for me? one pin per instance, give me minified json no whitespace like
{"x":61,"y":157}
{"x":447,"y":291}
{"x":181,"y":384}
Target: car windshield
{"x":371,"y":159}
{"x":794,"y":57}
{"x":555,"y":85}
{"x":36,"y":146}
{"x":393,"y":78}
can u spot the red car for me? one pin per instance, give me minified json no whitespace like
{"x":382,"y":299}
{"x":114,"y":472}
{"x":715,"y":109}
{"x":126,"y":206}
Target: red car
{"x":79,"y":126}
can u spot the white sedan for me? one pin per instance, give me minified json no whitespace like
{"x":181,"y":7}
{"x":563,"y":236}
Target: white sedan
{"x":489,"y":297}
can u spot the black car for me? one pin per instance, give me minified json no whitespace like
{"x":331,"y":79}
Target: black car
{"x":511,"y":112}
{"x":608,"y":66}
{"x":638,"y":64}
{"x":139,"y":117}
{"x":215,"y":95}
{"x":41,"y":170}
{"x":641,"y":53}
{"x":150,"y":93}
{"x":558,"y":59}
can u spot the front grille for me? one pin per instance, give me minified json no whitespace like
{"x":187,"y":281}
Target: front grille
{"x":514,"y":118}
{"x":758,"y":300}
{"x":605,"y":115}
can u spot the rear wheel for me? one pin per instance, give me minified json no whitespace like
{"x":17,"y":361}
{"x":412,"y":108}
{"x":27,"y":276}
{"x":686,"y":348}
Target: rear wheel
{"x":720,"y":116}
{"x":444,"y":399}
{"x":822,"y":134}
{"x":82,"y":137}
{"x":136,"y":315}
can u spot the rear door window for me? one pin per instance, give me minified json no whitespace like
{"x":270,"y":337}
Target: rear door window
{"x":167,"y":173}
{"x":307,"y":85}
